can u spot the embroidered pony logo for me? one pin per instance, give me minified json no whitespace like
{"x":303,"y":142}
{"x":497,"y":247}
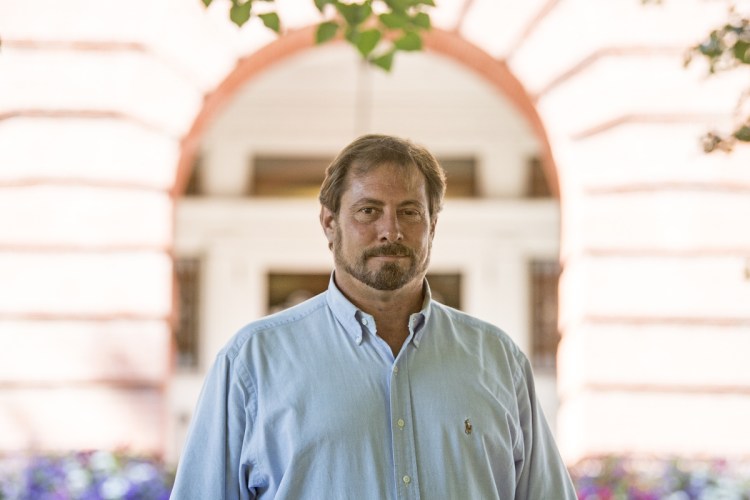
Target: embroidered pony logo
{"x":467,"y":426}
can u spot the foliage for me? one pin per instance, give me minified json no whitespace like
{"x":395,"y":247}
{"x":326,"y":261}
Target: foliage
{"x":622,"y":478}
{"x":96,"y":475}
{"x":727,"y":48}
{"x":377,"y":28}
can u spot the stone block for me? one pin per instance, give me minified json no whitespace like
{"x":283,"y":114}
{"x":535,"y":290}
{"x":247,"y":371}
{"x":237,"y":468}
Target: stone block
{"x":130,"y":83}
{"x":82,"y":418}
{"x":691,"y":222}
{"x":58,"y":216}
{"x":684,"y":424}
{"x":99,"y":151}
{"x":620,"y":287}
{"x":84,"y":285}
{"x":120,"y":352}
{"x":677,"y":357}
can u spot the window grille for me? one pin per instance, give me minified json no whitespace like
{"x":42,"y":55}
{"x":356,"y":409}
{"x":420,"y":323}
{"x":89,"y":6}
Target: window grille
{"x":544,"y":277}
{"x":188,"y":278}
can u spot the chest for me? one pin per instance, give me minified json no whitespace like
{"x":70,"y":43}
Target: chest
{"x":366,"y":397}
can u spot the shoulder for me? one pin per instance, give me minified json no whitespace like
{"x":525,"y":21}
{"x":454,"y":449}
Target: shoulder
{"x":469,"y":323}
{"x":268,"y":328}
{"x":488,"y":334}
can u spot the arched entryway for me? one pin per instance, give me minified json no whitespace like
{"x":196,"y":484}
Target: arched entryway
{"x":496,"y":252}
{"x":448,"y":44}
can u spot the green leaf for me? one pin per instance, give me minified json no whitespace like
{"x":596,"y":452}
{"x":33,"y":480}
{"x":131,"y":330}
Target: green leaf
{"x":354,"y":13}
{"x":207,"y":2}
{"x":398,"y":6}
{"x":394,"y":20}
{"x":431,"y":3}
{"x":240,"y":13}
{"x":384,"y":61}
{"x":326,"y":31}
{"x":741,"y":51}
{"x":271,"y":21}
{"x":367,"y":41}
{"x":321,"y":4}
{"x":422,"y":20}
{"x":352,"y":35}
{"x":743,"y":133}
{"x":409,"y":41}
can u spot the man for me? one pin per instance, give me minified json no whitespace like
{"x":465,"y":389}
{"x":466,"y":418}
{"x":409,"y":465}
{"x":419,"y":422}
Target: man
{"x":371,"y":390}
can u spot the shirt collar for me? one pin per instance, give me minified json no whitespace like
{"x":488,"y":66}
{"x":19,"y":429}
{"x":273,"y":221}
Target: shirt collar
{"x":352,"y":318}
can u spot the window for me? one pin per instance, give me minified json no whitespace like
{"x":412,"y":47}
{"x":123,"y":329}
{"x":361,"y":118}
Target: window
{"x":195,"y":181}
{"x":301,"y":176}
{"x":288,"y":289}
{"x":536,"y":180}
{"x":446,"y":288}
{"x":461,"y":173}
{"x":188,"y":279}
{"x":544,"y":277}
{"x":282,"y":176}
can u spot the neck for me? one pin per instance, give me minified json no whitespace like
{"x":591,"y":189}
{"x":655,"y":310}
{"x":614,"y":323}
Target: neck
{"x":391,"y":309}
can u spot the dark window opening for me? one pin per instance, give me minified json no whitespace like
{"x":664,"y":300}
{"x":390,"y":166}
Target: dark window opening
{"x":536,"y":180}
{"x":288,"y":289}
{"x":195,"y":181}
{"x":188,"y":278}
{"x":544,"y":276}
{"x":289,"y":176}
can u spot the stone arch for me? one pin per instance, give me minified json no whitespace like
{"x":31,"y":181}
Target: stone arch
{"x":446,"y":43}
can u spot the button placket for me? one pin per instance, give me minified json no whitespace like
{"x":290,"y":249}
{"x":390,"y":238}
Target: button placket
{"x":402,"y":434}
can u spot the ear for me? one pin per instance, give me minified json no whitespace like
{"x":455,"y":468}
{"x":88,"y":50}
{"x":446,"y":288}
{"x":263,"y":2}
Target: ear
{"x":328,"y":223}
{"x":433,"y":225}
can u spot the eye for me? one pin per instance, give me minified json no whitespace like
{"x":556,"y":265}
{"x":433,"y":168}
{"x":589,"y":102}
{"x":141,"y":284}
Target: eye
{"x":411,"y":214}
{"x":366,"y":214}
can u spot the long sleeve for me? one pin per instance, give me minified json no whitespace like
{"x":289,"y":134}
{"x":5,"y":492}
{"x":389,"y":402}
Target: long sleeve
{"x":542,"y":473}
{"x":211,"y":465}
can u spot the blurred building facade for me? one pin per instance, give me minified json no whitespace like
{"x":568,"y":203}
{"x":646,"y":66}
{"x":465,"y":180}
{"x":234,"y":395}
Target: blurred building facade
{"x":157,"y":179}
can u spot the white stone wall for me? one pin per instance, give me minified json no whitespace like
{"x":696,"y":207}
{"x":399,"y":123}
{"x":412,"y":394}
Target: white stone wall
{"x":655,"y":233}
{"x":97,"y":103}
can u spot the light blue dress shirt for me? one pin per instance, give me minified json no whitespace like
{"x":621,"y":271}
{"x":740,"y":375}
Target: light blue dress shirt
{"x":310,"y":403}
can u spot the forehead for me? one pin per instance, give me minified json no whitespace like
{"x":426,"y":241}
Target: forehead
{"x":386,"y":180}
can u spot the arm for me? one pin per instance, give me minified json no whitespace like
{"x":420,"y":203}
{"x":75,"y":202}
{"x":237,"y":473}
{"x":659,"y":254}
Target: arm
{"x":210,"y":463}
{"x":541,"y":474}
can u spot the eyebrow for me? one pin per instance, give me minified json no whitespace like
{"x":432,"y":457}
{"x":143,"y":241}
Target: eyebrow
{"x":380,"y":203}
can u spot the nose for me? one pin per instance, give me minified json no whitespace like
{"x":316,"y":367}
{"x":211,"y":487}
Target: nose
{"x":390,"y":230}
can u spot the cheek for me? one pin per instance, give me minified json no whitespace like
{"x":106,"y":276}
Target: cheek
{"x":358,"y":233}
{"x":350,"y":238}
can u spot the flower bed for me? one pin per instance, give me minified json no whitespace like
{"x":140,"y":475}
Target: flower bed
{"x":97,"y":475}
{"x":654,"y":479}
{"x":102,"y":475}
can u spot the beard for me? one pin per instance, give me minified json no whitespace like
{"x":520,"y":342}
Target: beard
{"x":390,"y":275}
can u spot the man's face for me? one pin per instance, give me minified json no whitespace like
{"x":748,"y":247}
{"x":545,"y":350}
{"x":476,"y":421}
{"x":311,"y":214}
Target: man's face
{"x":383,"y":233}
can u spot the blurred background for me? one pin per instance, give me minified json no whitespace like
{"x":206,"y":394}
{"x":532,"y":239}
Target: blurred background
{"x":159,"y":169}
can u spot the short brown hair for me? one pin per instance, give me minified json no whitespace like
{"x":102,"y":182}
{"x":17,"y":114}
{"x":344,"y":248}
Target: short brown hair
{"x":372,"y":150}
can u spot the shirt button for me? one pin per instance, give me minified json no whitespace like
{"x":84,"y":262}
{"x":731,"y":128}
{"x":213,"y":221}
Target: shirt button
{"x":400,"y":422}
{"x":364,"y":321}
{"x":406,"y":479}
{"x":395,"y":369}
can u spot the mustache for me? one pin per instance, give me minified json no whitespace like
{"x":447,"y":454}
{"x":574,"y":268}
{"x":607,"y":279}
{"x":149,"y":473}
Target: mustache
{"x":389,"y":250}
